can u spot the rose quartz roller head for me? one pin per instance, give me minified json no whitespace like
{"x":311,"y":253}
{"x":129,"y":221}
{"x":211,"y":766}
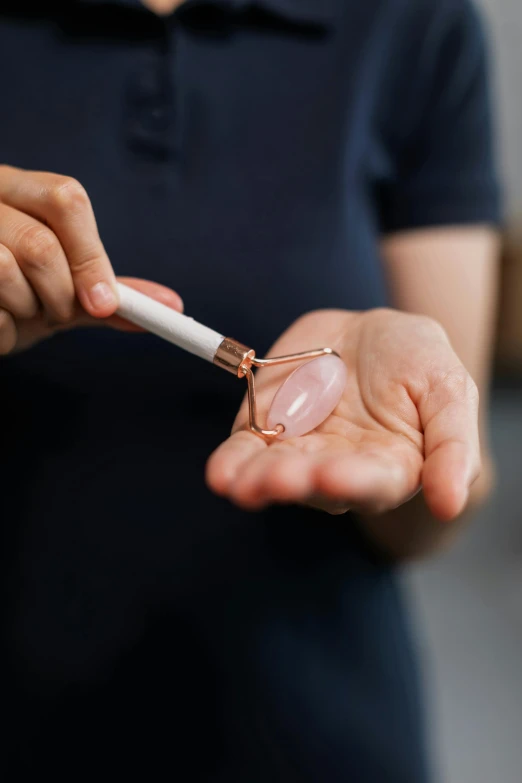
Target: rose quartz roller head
{"x":307,"y":397}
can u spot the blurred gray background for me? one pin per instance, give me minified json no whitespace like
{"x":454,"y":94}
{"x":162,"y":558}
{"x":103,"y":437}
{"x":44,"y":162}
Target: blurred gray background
{"x":468,"y":603}
{"x":504,"y":18}
{"x":468,"y":607}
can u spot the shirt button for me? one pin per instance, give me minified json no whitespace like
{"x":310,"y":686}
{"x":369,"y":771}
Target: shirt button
{"x":159,"y":119}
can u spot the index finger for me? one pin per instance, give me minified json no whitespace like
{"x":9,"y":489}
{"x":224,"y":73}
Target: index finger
{"x":227,"y":460}
{"x":63,"y":204}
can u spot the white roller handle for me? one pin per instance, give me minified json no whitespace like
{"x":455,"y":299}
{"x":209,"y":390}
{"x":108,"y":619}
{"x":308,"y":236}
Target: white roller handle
{"x":161,"y":320}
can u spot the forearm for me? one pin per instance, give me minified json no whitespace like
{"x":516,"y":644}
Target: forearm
{"x":411,"y":531}
{"x":450,"y":275}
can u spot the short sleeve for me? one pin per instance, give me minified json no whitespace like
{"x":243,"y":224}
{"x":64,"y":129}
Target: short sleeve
{"x":436,"y":131}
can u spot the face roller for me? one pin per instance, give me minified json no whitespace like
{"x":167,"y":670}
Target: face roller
{"x":306,"y":398}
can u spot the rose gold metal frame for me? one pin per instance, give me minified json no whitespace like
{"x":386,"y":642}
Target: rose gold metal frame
{"x":239,"y":360}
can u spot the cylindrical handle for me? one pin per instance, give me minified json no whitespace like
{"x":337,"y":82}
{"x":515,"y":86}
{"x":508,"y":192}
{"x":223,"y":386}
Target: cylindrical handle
{"x":168,"y":324}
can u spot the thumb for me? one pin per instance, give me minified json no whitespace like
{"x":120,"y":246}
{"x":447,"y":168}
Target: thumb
{"x":32,"y":331}
{"x":449,"y":414}
{"x":156,"y":291}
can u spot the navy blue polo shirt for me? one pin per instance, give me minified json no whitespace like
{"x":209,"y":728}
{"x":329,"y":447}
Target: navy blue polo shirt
{"x":250,"y":155}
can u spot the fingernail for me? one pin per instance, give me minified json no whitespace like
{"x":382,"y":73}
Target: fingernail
{"x":101,"y":295}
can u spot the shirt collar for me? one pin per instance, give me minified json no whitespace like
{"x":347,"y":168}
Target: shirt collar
{"x":305,"y":11}
{"x":300,"y":10}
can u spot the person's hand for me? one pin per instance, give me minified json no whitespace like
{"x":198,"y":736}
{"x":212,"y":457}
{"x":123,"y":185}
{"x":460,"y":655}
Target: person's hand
{"x":408,"y":418}
{"x":54,"y":271}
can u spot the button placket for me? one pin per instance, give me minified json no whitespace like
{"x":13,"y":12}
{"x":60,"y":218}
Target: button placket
{"x":151,"y":101}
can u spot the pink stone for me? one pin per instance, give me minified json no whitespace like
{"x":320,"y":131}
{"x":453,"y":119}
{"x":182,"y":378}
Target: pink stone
{"x":308,"y":396}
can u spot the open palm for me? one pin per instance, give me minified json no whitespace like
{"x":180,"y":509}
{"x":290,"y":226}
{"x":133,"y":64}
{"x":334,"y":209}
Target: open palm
{"x":408,"y":419}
